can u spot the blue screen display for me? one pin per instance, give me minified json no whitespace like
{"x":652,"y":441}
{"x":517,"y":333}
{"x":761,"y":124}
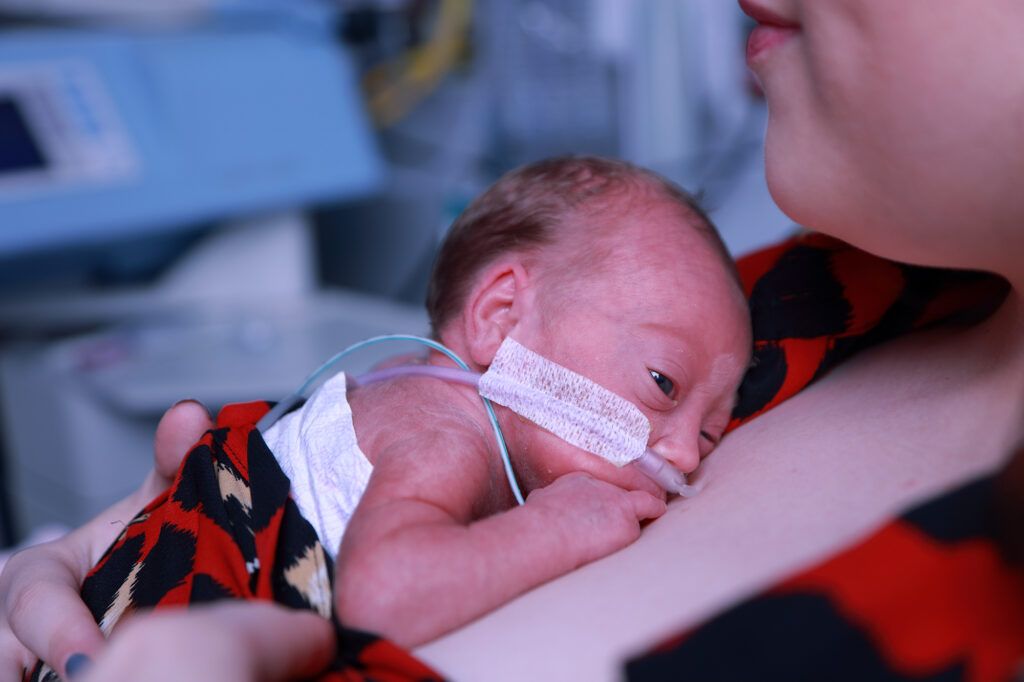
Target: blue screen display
{"x":18,"y":149}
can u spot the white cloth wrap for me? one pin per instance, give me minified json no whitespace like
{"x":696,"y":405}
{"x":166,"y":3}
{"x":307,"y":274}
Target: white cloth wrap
{"x":316,"y":448}
{"x":567,"y":404}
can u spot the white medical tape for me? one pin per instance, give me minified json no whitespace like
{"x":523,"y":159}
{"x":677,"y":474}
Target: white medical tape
{"x":567,"y":404}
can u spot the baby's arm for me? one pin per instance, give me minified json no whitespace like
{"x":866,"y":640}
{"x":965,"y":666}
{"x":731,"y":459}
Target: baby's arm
{"x":414,"y":564}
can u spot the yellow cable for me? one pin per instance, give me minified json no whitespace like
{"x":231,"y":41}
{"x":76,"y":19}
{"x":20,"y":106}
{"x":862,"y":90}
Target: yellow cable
{"x":395,"y":87}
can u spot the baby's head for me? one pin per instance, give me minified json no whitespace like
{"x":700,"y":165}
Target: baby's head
{"x":614,"y":273}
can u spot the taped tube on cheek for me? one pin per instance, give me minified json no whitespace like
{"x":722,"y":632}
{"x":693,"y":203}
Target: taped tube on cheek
{"x":567,"y":404}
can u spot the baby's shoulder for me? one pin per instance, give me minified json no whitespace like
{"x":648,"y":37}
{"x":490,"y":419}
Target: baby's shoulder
{"x":422,"y":416}
{"x":431,"y":449}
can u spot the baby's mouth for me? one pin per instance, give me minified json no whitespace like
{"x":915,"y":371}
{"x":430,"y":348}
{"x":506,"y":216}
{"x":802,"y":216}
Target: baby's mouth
{"x":696,"y":477}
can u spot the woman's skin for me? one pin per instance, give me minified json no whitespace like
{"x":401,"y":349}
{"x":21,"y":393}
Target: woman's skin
{"x":894,"y":126}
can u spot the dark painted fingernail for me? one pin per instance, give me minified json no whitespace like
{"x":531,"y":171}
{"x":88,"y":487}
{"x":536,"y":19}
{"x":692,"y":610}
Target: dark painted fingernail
{"x":194,"y":402}
{"x":76,"y":665}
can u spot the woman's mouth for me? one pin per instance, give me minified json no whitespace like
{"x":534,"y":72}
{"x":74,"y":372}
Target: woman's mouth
{"x":772,"y":30}
{"x":765,"y":37}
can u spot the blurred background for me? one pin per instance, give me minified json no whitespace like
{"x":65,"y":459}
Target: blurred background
{"x":207,"y":198}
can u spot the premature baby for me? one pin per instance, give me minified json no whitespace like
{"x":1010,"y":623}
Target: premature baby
{"x":607,"y":270}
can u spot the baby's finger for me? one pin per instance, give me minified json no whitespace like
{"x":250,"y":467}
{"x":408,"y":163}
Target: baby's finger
{"x":645,"y":505}
{"x":178,"y":430}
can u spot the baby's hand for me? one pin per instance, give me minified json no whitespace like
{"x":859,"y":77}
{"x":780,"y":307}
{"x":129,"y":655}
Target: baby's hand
{"x":597,"y":518}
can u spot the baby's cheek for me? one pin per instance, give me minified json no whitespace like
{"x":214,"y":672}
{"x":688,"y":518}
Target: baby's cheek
{"x":552,"y":457}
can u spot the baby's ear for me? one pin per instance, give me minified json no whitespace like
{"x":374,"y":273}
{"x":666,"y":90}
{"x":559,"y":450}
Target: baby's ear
{"x":500,"y":299}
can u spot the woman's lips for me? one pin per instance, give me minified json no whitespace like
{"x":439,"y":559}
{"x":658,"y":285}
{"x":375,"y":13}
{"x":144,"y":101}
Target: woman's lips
{"x":765,"y":37}
{"x":772,"y":30}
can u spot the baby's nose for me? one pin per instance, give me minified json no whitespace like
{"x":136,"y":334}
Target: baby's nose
{"x":683,"y":456}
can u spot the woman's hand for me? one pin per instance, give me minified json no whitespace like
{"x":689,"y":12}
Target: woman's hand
{"x":228,"y":642}
{"x":41,"y":613}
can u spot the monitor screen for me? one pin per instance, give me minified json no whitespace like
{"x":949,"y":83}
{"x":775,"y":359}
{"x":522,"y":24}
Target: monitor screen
{"x":18,"y":148}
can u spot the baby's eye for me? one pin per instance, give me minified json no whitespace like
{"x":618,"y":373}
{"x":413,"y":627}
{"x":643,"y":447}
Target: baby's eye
{"x":666,"y":385}
{"x":707,"y":444}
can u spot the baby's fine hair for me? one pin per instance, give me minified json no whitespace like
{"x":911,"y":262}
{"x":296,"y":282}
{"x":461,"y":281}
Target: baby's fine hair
{"x":524,"y":209}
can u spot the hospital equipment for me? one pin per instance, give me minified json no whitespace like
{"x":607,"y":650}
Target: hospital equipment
{"x":106,"y":133}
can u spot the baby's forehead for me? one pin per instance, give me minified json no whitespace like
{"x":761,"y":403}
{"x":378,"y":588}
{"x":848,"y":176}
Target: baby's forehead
{"x":659,"y":236}
{"x":641,"y":212}
{"x":657,"y":284}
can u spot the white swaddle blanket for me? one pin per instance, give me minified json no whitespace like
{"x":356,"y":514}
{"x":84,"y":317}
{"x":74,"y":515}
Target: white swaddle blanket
{"x":317,"y":449}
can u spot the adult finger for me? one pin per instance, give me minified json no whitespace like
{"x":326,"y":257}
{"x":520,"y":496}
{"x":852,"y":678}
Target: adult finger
{"x":14,"y":657}
{"x":228,"y":642}
{"x":43,"y":609}
{"x":284,"y":643}
{"x":180,"y":427}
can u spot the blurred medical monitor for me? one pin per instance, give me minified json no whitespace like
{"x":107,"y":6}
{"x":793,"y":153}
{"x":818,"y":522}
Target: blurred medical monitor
{"x":108,"y":134}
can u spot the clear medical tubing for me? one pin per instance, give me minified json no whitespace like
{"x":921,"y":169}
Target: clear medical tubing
{"x":653,"y":465}
{"x":324,"y":371}
{"x":664,"y":474}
